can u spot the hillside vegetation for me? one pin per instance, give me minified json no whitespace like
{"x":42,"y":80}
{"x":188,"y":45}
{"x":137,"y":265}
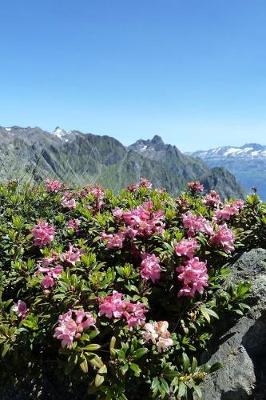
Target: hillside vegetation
{"x":107,"y":296}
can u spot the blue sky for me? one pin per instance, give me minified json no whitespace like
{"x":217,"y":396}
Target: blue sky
{"x":192,"y":71}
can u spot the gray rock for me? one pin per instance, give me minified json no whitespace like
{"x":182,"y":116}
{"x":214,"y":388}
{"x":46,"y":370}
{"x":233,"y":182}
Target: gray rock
{"x":242,"y":350}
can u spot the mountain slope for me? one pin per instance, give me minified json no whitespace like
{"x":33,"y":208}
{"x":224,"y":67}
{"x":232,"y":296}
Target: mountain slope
{"x":31,"y":154}
{"x":247,"y":163}
{"x":185,"y":168}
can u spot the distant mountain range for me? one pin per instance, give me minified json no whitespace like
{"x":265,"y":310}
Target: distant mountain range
{"x":247,"y":163}
{"x":32,"y":154}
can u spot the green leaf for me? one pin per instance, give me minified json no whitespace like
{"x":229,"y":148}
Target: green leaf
{"x":164,"y":385}
{"x":102,"y":370}
{"x":84,"y":366}
{"x":155,"y":386}
{"x":124,"y":369}
{"x":139,"y":353}
{"x":197,"y":391}
{"x":212,"y":313}
{"x":182,"y":390}
{"x":185,"y":362}
{"x":194,"y":364}
{"x":136,"y":369}
{"x":96,"y":362}
{"x":215,"y":367}
{"x":99,"y":379}
{"x":6,"y":348}
{"x":112,"y":345}
{"x":92,"y":347}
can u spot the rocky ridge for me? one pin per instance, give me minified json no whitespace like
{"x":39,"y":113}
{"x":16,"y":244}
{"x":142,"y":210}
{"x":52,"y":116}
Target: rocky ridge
{"x":32,"y":154}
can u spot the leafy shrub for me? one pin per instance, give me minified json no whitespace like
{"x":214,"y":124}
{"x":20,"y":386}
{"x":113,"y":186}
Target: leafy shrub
{"x":111,"y":296}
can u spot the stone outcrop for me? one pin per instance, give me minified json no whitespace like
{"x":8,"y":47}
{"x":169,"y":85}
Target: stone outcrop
{"x":242,"y":349}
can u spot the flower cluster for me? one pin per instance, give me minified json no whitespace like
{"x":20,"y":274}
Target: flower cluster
{"x":194,"y":277}
{"x":158,"y":334}
{"x":150,"y":267}
{"x":187,"y":247}
{"x":139,"y":222}
{"x":143,"y":221}
{"x":97,"y":192}
{"x":73,"y":224}
{"x":53,"y":186}
{"x":72,"y":255}
{"x":145,"y":183}
{"x":71,"y":325}
{"x":195,"y":187}
{"x":113,"y":306}
{"x":21,"y":309}
{"x":50,"y":275}
{"x":114,"y":241}
{"x":228,"y":211}
{"x":68,"y":201}
{"x":195,"y":224}
{"x":212,"y":199}
{"x":43,"y":234}
{"x":223,"y":238}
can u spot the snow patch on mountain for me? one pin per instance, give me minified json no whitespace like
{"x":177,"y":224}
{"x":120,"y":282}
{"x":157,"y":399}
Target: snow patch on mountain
{"x":248,"y":151}
{"x":62,"y":133}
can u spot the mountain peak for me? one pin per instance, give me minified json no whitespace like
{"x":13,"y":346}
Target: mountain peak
{"x":254,"y":146}
{"x":157,"y":140}
{"x":59,"y":132}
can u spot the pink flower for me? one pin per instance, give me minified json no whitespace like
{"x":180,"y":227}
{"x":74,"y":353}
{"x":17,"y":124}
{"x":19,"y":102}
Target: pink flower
{"x":195,"y":187}
{"x":66,"y":329}
{"x":114,"y":241}
{"x":228,"y":211}
{"x":239,"y":204}
{"x":134,"y":313}
{"x":53,"y":185}
{"x":68,"y":201}
{"x":84,"y":320}
{"x":223,"y":238}
{"x":144,"y":221}
{"x":46,"y":261}
{"x":72,"y":256}
{"x":48,"y":282}
{"x":194,"y":277}
{"x":71,"y":325}
{"x":113,"y":306}
{"x":196,"y":224}
{"x":187,"y":247}
{"x":145,"y":183}
{"x":130,"y":232}
{"x":118,"y":213}
{"x":50,"y":275}
{"x":73,"y":224}
{"x":97,"y":192}
{"x":158,"y":334}
{"x":21,"y":309}
{"x":212,"y":199}
{"x":133,"y":187}
{"x":150,"y":267}
{"x":43,"y":234}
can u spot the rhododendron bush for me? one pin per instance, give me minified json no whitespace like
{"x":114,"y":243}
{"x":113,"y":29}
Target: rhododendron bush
{"x":109,"y":296}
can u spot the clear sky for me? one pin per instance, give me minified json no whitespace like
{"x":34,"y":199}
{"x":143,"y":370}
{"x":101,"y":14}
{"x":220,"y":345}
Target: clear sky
{"x":192,"y":71}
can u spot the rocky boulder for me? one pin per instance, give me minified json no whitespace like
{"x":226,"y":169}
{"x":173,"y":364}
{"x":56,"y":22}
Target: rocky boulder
{"x":242,"y":349}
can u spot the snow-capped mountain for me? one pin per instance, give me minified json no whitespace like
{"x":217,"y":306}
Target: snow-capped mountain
{"x":247,"y":163}
{"x":250,"y":151}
